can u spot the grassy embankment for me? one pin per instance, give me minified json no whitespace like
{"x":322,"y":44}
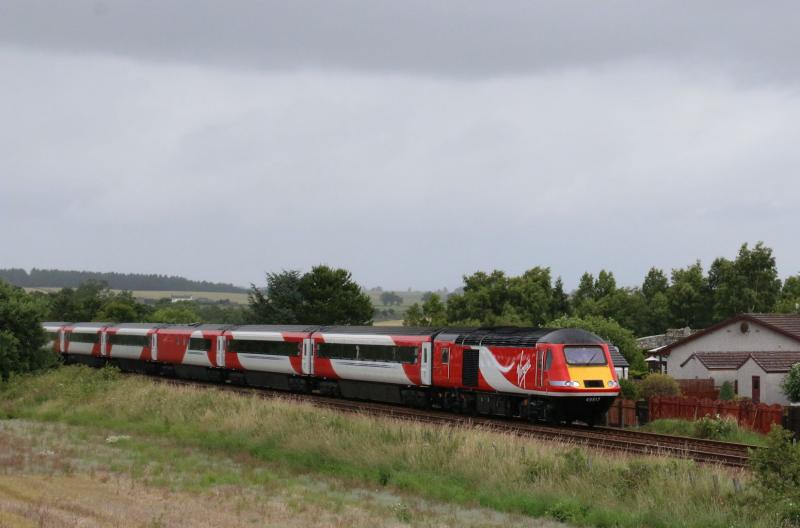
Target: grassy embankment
{"x":712,"y":429}
{"x":462,"y":467}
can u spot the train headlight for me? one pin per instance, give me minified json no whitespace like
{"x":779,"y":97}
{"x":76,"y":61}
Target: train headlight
{"x":613,"y":383}
{"x":572,"y":384}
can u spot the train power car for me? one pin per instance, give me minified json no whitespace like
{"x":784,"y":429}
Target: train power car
{"x":556,"y":375}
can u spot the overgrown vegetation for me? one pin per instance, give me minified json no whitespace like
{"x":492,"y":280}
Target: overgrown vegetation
{"x":22,"y":338}
{"x":713,"y":428}
{"x":656,"y":384}
{"x":460,"y":466}
{"x":628,"y":389}
{"x":727,"y":392}
{"x":777,"y":471}
{"x":791,"y":383}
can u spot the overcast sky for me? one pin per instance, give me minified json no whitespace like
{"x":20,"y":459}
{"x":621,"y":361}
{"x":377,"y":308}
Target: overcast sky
{"x":410,"y":142}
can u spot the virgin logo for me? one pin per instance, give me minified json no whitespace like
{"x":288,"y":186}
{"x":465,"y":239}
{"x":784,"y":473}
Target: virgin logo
{"x":522,"y":369}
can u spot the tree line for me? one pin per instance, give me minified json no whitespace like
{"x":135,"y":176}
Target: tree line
{"x":53,"y":278}
{"x":686,"y":297}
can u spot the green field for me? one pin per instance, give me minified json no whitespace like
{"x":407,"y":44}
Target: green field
{"x":145,"y":295}
{"x":173,"y":430}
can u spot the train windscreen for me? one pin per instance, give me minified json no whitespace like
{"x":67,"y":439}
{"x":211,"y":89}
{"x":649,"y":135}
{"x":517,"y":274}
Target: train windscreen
{"x":586,"y":355}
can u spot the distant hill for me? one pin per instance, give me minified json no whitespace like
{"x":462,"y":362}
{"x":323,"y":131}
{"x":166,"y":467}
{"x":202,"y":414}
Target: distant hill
{"x":43,"y":278}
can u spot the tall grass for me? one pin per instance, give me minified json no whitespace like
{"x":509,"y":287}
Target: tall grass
{"x":726,"y":430}
{"x":453,"y":464}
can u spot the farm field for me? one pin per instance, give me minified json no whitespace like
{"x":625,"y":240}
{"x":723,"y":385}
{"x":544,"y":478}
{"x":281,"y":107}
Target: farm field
{"x":409,"y":298}
{"x":334,"y":469}
{"x":144,"y":295}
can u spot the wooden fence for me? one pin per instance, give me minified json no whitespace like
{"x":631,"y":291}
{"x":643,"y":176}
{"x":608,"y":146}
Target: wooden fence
{"x":622,"y":413}
{"x":756,"y":416}
{"x":698,"y":388}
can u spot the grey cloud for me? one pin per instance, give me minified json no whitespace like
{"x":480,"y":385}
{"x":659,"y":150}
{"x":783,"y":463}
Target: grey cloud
{"x":445,"y":38}
{"x":112,"y":164}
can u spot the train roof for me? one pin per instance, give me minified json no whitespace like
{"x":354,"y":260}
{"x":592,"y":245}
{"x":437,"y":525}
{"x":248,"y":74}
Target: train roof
{"x":47,"y":324}
{"x":276,"y":328}
{"x":379,"y":330}
{"x":520,"y":336}
{"x":194,"y":327}
{"x":138,"y":326}
{"x":89,"y":326}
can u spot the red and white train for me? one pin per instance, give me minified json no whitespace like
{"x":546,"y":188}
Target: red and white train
{"x":538,"y":374}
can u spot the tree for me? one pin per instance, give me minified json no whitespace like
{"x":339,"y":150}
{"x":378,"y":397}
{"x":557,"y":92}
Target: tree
{"x":612,"y":332}
{"x":178,"y":313}
{"x":726,"y":392}
{"x":432,"y":313}
{"x":330,"y":296}
{"x":560,"y":303}
{"x":789,"y":301}
{"x":658,"y":385}
{"x":391,"y":298}
{"x":689,"y":297}
{"x":791,"y":383}
{"x":748,"y":284}
{"x":322,"y":296}
{"x":22,"y":338}
{"x":282,"y":301}
{"x":496,"y":299}
{"x":655,"y":283}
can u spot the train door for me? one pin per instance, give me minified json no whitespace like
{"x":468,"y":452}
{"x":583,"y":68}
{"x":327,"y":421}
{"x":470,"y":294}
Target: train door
{"x":221,"y":351}
{"x":62,"y":341}
{"x":425,"y":364}
{"x":154,"y":346}
{"x":103,"y":343}
{"x":540,"y":368}
{"x":308,"y":357}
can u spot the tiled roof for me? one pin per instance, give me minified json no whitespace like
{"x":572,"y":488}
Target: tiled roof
{"x":769,"y":361}
{"x":776,"y":361}
{"x":617,"y":358}
{"x":786,"y":324}
{"x":789,"y":323}
{"x":720,"y":360}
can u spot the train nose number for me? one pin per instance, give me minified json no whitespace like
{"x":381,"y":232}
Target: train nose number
{"x":593,"y":399}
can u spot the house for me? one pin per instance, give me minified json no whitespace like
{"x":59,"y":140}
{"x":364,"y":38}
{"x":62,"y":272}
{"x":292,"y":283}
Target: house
{"x":621,"y":364}
{"x":655,"y":343}
{"x":752,"y":351}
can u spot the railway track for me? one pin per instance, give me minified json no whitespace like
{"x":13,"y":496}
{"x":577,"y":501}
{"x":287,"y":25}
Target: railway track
{"x":607,"y":438}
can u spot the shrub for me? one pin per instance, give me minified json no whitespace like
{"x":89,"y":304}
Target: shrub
{"x":791,"y":383}
{"x":659,"y":385}
{"x":726,"y":392}
{"x":628,"y":389}
{"x":777,"y":473}
{"x":715,"y":427}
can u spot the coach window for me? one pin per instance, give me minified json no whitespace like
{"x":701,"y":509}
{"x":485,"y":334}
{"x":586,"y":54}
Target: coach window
{"x":337,"y":351}
{"x":445,"y":356}
{"x":198,"y":343}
